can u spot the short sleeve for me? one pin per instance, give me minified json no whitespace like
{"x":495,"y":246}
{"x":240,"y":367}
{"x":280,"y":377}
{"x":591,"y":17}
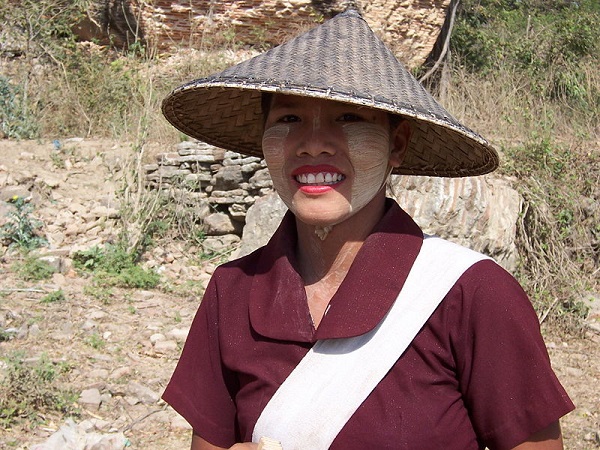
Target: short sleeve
{"x":506,"y":379}
{"x":200,"y":388}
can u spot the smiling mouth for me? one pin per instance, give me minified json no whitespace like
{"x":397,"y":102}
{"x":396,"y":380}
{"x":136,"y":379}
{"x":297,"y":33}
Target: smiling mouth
{"x":319,"y":178}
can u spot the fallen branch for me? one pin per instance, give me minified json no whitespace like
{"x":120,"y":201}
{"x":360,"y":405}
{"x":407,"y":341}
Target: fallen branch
{"x":543,"y":317}
{"x":141,"y":419}
{"x":40,"y":291}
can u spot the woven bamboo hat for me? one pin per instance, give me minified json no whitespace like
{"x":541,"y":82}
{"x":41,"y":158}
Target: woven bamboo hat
{"x":340,"y":60}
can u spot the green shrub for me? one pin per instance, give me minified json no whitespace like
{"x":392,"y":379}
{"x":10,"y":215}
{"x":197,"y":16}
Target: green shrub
{"x":551,"y":42}
{"x":114,"y":266}
{"x":29,"y":390}
{"x":556,"y":232}
{"x":4,"y":335}
{"x":54,"y":296}
{"x":95,"y":341}
{"x":34,"y":269}
{"x":16,"y":121}
{"x":102,"y":293}
{"x":91,"y":259}
{"x":21,"y":228}
{"x":137,"y":277}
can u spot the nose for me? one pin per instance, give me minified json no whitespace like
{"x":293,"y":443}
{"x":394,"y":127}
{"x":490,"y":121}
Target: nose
{"x":316,"y":140}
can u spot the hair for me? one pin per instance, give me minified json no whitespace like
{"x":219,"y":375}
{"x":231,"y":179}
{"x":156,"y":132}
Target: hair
{"x":395,"y":120}
{"x":265,"y":104}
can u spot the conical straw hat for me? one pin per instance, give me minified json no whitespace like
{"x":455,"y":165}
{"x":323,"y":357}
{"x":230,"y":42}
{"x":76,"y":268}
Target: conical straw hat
{"x":340,"y":60}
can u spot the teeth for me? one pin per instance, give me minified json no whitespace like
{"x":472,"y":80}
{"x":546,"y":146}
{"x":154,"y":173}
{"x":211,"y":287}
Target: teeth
{"x":319,"y":178}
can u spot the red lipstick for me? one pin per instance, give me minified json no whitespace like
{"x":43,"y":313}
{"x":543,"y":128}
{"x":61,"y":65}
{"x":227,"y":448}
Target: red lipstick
{"x":317,"y":179}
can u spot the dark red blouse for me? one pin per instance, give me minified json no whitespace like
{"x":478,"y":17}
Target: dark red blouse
{"x":476,"y":375}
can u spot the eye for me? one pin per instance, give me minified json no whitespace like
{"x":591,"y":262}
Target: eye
{"x":350,"y":117}
{"x":288,"y":118}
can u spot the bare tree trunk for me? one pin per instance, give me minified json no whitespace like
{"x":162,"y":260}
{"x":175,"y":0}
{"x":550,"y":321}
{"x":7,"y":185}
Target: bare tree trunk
{"x":112,"y":22}
{"x":441,"y":49}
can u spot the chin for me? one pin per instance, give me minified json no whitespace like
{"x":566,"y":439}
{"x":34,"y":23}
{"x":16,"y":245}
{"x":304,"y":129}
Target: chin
{"x":322,"y":218}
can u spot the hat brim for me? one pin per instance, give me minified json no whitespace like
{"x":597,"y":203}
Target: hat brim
{"x":228,"y":114}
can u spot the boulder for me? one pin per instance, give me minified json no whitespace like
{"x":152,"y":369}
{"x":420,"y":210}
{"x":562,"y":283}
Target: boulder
{"x":220,"y":223}
{"x":90,"y":399}
{"x":228,"y":178}
{"x":142,"y":393}
{"x":262,"y":220}
{"x":72,"y":435}
{"x":478,"y":212}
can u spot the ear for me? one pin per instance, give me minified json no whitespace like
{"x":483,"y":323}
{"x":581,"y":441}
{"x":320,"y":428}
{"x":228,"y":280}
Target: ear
{"x":399,"y":139}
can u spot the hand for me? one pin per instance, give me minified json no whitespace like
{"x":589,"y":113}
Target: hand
{"x":200,"y":444}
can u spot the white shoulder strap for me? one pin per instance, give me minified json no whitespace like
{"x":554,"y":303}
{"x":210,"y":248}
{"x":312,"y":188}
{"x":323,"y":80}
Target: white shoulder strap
{"x":337,"y":375}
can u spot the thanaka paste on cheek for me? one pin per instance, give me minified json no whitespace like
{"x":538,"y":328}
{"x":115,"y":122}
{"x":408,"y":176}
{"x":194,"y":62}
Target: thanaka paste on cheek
{"x":273,"y":150}
{"x":369,"y":150}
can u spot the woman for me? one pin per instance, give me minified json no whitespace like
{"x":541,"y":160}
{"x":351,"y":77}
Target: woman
{"x":349,"y":329}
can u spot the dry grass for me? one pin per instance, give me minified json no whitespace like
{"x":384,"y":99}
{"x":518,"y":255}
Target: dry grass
{"x":506,"y":106}
{"x":550,"y":148}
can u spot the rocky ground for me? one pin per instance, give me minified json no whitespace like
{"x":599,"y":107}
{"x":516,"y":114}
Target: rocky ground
{"x":120,"y":349}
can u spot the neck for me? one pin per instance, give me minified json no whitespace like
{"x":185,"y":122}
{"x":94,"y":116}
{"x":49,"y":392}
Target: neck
{"x":320,"y":259}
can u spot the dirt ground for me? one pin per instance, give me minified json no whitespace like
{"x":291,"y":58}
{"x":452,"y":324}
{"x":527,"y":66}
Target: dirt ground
{"x":111,"y":345}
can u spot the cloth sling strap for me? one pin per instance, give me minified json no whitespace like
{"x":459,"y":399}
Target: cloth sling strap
{"x":321,"y":394}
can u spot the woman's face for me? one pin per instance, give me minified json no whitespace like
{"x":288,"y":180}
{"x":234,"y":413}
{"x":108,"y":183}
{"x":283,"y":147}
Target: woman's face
{"x":327,"y":159}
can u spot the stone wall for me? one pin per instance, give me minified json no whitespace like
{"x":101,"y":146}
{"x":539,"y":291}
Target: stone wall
{"x":219,"y":184}
{"x":409,"y":27}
